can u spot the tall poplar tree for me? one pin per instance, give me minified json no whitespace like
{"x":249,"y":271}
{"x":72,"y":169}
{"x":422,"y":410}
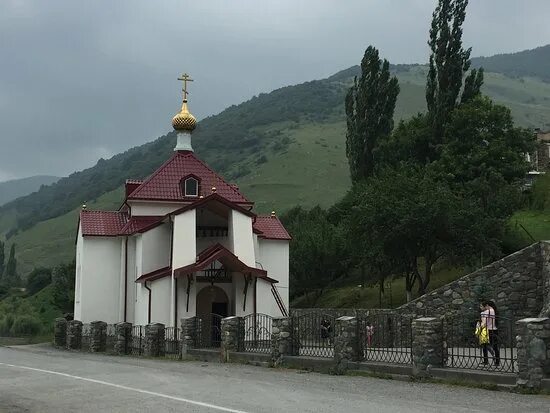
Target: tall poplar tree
{"x":370,"y":104}
{"x":10,"y":273}
{"x":449,"y":62}
{"x":2,"y":259}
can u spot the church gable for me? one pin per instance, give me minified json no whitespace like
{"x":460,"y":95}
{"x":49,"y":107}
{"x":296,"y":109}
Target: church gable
{"x":166,"y":183}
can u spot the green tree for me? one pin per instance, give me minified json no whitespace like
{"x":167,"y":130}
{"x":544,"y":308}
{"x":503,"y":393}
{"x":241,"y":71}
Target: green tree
{"x":449,"y":62}
{"x":2,"y":259}
{"x":38,"y":279}
{"x":370,"y":105}
{"x":61,"y":287}
{"x":10,"y":274}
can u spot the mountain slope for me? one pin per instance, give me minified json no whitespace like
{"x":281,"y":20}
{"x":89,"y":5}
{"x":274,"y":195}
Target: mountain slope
{"x":527,"y":63}
{"x":283,"y":148}
{"x":10,"y":190}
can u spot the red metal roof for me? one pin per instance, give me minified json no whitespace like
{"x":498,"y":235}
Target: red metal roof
{"x":140,"y":223}
{"x":164,"y":183}
{"x":270,"y":227}
{"x":102,"y":223}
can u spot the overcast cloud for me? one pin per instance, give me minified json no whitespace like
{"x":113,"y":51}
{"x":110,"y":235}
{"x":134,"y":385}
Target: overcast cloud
{"x":80,"y":80}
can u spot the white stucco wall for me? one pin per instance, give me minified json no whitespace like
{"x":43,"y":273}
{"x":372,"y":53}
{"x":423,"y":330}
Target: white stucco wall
{"x":241,"y":237}
{"x":155,"y":248}
{"x":160,"y":300}
{"x":265,"y":302}
{"x":238,"y":293}
{"x":153,"y":208}
{"x":182,"y":298}
{"x":274,"y":259}
{"x":185,"y":242}
{"x":141,"y":293}
{"x":100,"y":279}
{"x":131,"y":285}
{"x":78,"y":275}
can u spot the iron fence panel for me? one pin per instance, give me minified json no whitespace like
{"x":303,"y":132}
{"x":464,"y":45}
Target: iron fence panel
{"x":208,"y":331}
{"x":386,"y":338}
{"x":257,"y":333}
{"x":138,"y":340}
{"x":315,"y":334}
{"x":111,"y":338}
{"x":172,"y":337}
{"x":463,"y":349}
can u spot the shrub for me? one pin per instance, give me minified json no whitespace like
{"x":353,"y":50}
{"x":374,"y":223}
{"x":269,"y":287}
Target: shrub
{"x":26,"y":325}
{"x":6,"y":323}
{"x":38,"y":279}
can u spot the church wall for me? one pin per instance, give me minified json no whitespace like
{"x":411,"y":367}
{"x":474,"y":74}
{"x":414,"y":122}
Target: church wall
{"x":78,"y":275}
{"x":100,"y":281}
{"x":182,"y":298}
{"x":131,"y":286}
{"x":274,"y":259}
{"x":265,"y":302}
{"x":142,"y":295}
{"x":160,"y":300}
{"x":153,"y":208}
{"x":240,"y":237}
{"x":185,"y":242}
{"x":238,"y":293}
{"x":155,"y":248}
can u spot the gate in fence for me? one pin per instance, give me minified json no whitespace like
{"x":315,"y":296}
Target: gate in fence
{"x":386,"y":338}
{"x":256,"y":333}
{"x":172,"y":337}
{"x":208,"y":331}
{"x":315,"y":334}
{"x":496,"y":351}
{"x":138,"y":340}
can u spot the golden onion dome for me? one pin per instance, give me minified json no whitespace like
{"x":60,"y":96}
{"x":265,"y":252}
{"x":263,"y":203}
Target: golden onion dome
{"x":184,"y":120}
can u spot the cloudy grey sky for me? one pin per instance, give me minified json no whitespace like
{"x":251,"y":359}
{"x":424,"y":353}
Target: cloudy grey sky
{"x":80,"y":80}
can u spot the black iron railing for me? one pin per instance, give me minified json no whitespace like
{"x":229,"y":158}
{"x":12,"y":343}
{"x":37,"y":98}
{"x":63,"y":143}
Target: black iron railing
{"x":257,"y":333}
{"x":208,"y":331}
{"x":494,"y":350}
{"x":138,"y":340}
{"x":385,"y":338}
{"x":314,"y":333}
{"x":172,"y":337}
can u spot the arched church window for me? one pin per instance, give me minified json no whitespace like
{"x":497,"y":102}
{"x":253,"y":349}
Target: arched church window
{"x":191,"y":187}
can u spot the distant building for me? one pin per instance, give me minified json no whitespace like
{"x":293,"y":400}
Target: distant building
{"x":183,"y":243}
{"x":539,"y":158}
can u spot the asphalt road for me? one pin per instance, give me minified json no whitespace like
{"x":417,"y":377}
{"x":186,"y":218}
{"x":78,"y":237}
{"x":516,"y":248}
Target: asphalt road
{"x":41,"y":379}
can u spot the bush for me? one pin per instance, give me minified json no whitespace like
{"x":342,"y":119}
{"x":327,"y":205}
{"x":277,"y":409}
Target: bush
{"x":24,"y":325}
{"x":38,"y":279}
{"x":6,"y":323}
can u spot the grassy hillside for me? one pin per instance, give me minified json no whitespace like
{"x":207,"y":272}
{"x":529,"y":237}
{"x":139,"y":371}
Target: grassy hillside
{"x":10,"y":190}
{"x":283,"y":148}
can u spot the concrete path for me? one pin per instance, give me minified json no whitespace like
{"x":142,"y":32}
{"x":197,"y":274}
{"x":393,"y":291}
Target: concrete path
{"x":41,"y":379}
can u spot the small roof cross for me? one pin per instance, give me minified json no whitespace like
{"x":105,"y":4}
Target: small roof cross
{"x":185,"y":78}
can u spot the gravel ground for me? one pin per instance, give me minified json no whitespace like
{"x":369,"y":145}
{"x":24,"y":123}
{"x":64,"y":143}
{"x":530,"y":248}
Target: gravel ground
{"x":42,"y":379}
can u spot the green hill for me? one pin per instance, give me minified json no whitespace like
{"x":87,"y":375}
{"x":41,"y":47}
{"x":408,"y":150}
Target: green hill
{"x":283,"y":148}
{"x":10,"y":190}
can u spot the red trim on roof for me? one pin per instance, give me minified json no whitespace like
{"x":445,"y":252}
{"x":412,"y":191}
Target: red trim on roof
{"x":155,"y":275}
{"x":164,"y":183}
{"x":215,"y":197}
{"x":141,"y":224}
{"x":271,"y":227}
{"x":229,"y":260}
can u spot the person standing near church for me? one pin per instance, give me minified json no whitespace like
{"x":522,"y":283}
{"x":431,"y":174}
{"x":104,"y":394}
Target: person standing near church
{"x":488,"y":322}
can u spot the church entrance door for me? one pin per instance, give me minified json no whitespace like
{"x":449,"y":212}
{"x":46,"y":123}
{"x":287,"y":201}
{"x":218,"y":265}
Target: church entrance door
{"x":212,"y":306}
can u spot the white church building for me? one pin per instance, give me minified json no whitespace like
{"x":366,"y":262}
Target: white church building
{"x":184,"y":243}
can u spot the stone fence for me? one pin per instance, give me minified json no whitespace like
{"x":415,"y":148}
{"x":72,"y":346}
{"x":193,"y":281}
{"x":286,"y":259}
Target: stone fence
{"x":427,"y":346}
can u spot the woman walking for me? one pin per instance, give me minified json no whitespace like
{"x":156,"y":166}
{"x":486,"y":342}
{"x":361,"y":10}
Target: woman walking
{"x":489,"y":323}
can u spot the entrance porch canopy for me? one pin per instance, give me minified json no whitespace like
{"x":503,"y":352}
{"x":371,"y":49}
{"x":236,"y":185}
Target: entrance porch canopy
{"x":216,"y":252}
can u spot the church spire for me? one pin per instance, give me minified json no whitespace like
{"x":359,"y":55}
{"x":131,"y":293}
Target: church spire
{"x":184,"y":122}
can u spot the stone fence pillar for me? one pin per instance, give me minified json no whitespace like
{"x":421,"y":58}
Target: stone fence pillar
{"x":427,"y":344}
{"x":60,"y":332}
{"x":232,"y":335}
{"x":533,"y":344}
{"x":346,"y":343}
{"x":188,"y":334}
{"x":154,"y":340}
{"x":74,"y":335}
{"x":283,"y":342}
{"x":123,"y":341}
{"x":98,"y":336}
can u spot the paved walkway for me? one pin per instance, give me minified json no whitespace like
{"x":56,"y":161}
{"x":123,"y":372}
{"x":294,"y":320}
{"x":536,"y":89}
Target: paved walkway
{"x":41,"y":379}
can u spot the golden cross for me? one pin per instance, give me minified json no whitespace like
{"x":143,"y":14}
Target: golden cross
{"x":185,"y":78}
